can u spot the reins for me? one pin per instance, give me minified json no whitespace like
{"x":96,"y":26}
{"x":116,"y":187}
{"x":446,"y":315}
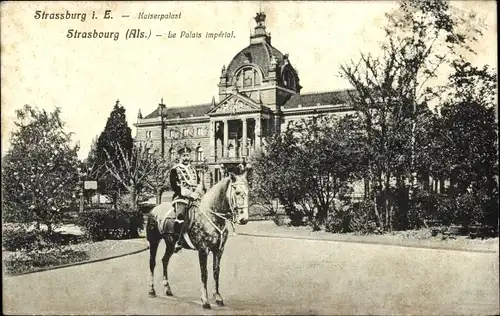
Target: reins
{"x":233,"y":207}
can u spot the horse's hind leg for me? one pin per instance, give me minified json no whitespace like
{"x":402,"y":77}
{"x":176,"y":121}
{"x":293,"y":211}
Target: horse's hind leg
{"x":153,"y":236}
{"x":169,"y":251}
{"x":216,"y":268}
{"x":153,"y":248}
{"x":203,"y":256}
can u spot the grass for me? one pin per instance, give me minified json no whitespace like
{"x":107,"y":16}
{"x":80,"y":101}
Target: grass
{"x":29,"y":251}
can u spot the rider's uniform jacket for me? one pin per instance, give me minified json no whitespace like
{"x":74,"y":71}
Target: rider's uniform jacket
{"x":184,"y":181}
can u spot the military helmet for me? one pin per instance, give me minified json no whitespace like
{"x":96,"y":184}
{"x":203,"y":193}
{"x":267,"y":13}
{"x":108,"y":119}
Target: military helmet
{"x":184,"y":151}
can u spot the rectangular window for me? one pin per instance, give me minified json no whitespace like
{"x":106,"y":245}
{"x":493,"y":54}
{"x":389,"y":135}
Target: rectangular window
{"x":185,"y":133}
{"x":199,"y":131}
{"x":172,"y":134}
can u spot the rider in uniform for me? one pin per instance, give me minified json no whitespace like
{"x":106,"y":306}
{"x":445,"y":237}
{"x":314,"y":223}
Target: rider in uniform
{"x":187,"y":188}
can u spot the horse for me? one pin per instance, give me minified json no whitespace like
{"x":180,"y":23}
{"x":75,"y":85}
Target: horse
{"x":207,"y":230}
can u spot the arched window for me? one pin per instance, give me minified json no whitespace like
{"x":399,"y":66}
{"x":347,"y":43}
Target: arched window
{"x":171,"y":154}
{"x":289,"y":80}
{"x":248,"y":77}
{"x":199,"y":154}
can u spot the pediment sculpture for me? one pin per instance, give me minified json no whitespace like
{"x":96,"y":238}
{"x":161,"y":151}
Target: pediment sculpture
{"x":233,"y":106}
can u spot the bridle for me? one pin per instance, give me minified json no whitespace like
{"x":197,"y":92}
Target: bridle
{"x":234,"y":207}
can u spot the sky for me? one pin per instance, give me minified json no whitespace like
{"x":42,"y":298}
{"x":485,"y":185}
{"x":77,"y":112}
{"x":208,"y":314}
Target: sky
{"x":85,"y":77}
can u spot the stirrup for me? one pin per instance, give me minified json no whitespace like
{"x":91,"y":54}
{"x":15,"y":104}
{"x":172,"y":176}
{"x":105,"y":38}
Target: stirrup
{"x":177,"y":247}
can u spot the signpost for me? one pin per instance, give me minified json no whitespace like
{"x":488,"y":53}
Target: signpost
{"x":90,"y":185}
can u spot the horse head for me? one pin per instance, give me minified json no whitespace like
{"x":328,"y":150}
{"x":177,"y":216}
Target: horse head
{"x":237,"y":196}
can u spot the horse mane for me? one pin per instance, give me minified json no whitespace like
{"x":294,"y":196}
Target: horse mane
{"x":215,"y":198}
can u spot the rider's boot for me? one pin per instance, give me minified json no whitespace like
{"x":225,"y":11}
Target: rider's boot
{"x":178,"y":244}
{"x":180,"y":222}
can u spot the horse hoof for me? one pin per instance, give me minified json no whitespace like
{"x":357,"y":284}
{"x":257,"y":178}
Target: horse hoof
{"x":169,"y":293}
{"x":220,"y":302}
{"x":207,"y":306}
{"x":152,"y":294}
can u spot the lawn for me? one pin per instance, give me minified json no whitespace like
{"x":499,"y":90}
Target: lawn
{"x":29,"y":251}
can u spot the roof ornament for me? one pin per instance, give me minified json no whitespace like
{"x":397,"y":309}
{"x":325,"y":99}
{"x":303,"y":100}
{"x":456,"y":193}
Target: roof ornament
{"x":260,"y":18}
{"x":161,"y":109}
{"x":274,"y":62}
{"x":223,"y":71}
{"x":139,"y":115}
{"x":213,"y":102}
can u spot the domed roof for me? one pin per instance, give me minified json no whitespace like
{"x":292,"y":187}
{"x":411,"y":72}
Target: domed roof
{"x":259,"y":54}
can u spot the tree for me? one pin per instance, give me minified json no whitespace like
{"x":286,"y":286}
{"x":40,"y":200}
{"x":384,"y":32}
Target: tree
{"x":470,"y":138}
{"x":276,"y":177}
{"x":307,"y":166}
{"x":115,"y":132}
{"x":393,"y":92}
{"x":40,"y":175}
{"x":91,"y":168}
{"x":158,"y":181}
{"x":133,"y":170}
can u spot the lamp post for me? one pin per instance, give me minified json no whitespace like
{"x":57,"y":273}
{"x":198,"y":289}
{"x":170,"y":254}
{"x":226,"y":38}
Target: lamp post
{"x":204,"y":169}
{"x":163,"y":114}
{"x":82,"y":174}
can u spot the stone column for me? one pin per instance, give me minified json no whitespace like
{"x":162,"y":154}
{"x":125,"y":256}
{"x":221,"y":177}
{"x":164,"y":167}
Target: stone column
{"x":225,"y":145}
{"x":244,"y":151}
{"x":211,"y":134}
{"x":257,"y":133}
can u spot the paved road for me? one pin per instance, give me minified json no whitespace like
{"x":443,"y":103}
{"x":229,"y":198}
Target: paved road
{"x":271,"y":275}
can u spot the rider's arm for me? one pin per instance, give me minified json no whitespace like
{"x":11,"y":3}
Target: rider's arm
{"x":174,"y":182}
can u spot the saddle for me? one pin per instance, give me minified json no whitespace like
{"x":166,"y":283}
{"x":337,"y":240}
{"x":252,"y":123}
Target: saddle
{"x":171,"y":223}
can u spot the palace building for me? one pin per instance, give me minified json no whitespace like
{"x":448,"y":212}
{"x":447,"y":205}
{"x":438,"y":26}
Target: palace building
{"x":259,"y":94}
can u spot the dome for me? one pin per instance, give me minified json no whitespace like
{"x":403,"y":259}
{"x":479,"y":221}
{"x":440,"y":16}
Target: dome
{"x":262,"y":55}
{"x":259,"y":54}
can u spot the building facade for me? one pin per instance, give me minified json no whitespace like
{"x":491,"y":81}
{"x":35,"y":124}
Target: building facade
{"x":259,"y":94}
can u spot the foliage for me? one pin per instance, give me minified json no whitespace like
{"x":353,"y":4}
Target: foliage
{"x":40,"y":173}
{"x":21,"y":261}
{"x":362,"y":218}
{"x":305,"y":167}
{"x":115,"y":132}
{"x":23,"y":240}
{"x":157,"y":181}
{"x":392,"y":96}
{"x":133,"y":170}
{"x":100,"y":224}
{"x":468,"y":131}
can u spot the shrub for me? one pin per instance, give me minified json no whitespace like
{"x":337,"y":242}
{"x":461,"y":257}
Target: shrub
{"x":446,"y":210}
{"x":422,"y":207}
{"x":339,"y":218}
{"x":100,"y":224}
{"x":21,"y":261}
{"x":22,"y":240}
{"x":296,"y":216}
{"x":145,"y":208}
{"x":362,"y":218}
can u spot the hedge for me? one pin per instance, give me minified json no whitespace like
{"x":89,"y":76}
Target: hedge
{"x":100,"y":224}
{"x":22,"y":240}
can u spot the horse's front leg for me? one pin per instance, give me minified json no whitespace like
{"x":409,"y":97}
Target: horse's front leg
{"x":169,"y":250}
{"x":217,"y":259}
{"x":203,"y":256}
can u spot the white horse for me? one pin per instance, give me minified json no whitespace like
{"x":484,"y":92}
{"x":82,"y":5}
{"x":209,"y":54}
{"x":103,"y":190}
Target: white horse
{"x":207,"y":230}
